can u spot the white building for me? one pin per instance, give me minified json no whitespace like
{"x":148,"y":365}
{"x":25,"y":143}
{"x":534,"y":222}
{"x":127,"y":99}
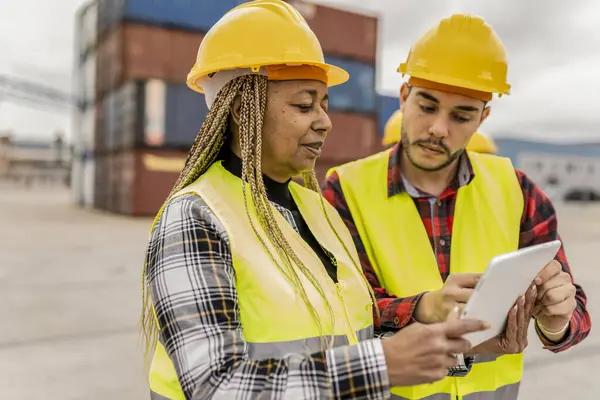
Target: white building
{"x":562,"y":175}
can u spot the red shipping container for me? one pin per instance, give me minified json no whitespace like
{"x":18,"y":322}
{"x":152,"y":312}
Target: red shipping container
{"x":155,"y":175}
{"x":137,"y":51}
{"x":341,"y":33}
{"x":353,"y":136}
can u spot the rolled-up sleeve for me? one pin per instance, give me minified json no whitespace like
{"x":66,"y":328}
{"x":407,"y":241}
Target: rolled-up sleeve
{"x":192,"y":286}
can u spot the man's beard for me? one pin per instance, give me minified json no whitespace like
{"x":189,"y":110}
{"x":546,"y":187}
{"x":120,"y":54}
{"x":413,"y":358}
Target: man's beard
{"x":407,"y":146}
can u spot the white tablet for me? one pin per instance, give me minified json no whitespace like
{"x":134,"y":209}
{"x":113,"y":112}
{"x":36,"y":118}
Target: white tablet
{"x":507,"y":277}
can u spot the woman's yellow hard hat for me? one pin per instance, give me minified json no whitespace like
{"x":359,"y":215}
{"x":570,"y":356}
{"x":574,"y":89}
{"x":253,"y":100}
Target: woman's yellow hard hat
{"x":262,"y":33}
{"x":479,"y":142}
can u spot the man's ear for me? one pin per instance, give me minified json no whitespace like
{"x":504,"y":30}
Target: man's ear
{"x":235,"y":109}
{"x":484,"y":114}
{"x":404,"y":92}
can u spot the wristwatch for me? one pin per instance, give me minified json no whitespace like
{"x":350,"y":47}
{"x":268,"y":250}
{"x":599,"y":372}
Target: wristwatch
{"x":463,"y":367}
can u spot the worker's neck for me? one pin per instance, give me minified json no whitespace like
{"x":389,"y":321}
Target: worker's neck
{"x":432,"y":182}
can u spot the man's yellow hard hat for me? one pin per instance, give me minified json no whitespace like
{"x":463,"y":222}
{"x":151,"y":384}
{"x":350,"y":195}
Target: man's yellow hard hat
{"x":479,"y":142}
{"x":462,"y":51}
{"x":257,"y":34}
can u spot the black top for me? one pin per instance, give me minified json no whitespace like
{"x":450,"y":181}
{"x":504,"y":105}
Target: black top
{"x":279,"y":193}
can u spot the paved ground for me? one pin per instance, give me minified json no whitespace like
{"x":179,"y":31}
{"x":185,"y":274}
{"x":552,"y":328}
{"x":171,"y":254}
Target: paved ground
{"x":70,"y":295}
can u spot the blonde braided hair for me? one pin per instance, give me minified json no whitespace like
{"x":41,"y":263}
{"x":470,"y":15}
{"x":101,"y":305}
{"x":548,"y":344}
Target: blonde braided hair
{"x":208,"y":143}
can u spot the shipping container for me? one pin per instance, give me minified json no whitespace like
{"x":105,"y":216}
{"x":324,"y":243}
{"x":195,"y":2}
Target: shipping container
{"x":153,"y":114}
{"x":85,"y":30}
{"x":196,"y":15}
{"x":353,"y":136}
{"x":156,"y":173}
{"x":122,"y":181}
{"x":140,"y":180}
{"x":102,"y":178}
{"x":99,"y":128}
{"x":386,"y":106}
{"x":134,"y":51}
{"x":358,"y":93}
{"x":342,"y":33}
{"x":185,"y":111}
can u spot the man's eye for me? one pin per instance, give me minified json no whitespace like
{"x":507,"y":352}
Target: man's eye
{"x":461,"y":119}
{"x":427,"y":109}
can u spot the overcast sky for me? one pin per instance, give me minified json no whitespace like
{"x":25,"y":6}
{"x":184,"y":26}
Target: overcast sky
{"x":553,"y":47}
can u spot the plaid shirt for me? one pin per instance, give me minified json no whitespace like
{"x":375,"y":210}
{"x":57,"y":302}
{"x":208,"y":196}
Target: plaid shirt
{"x":193,"y":288}
{"x":538,"y":225}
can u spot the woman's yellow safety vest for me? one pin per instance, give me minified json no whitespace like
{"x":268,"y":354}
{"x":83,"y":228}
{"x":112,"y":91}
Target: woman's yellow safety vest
{"x":486,"y":223}
{"x":275,"y":320}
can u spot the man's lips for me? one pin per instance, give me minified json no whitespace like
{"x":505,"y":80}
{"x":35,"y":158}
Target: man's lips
{"x":432,"y":149}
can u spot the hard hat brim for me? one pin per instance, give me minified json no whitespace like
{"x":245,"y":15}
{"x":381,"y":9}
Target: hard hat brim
{"x":335,"y":75}
{"x":502,"y":89}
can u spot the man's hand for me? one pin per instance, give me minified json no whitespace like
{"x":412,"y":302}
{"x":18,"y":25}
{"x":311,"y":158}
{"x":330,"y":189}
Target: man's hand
{"x":436,"y":305}
{"x":555,"y":299}
{"x":514,"y":339}
{"x":423,"y":353}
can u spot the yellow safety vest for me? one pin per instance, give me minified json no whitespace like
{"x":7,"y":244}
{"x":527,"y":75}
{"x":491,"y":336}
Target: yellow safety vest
{"x":275,"y":320}
{"x":486,"y":223}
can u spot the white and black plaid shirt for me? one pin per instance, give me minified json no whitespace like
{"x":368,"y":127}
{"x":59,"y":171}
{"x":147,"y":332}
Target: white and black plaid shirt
{"x":193,"y":288}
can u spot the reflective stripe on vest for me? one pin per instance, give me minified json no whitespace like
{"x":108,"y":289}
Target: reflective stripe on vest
{"x":258,"y":351}
{"x":508,"y":392}
{"x":275,"y":323}
{"x":486,"y":223}
{"x":156,"y":396}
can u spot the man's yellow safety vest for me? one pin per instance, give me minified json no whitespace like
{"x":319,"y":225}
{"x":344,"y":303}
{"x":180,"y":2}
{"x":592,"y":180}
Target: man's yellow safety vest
{"x":275,"y":320}
{"x":486,"y":223}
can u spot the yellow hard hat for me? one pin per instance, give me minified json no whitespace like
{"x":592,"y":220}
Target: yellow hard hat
{"x":462,"y":51}
{"x":391,"y":131}
{"x":479,"y":143}
{"x":257,"y":34}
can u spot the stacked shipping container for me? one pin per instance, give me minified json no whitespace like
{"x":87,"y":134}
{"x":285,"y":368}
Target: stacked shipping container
{"x":145,"y":118}
{"x":149,"y":117}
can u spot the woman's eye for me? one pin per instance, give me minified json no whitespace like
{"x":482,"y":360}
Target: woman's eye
{"x":304,"y":107}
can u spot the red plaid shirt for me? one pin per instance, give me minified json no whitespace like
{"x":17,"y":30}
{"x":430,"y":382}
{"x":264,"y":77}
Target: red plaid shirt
{"x":538,"y":225}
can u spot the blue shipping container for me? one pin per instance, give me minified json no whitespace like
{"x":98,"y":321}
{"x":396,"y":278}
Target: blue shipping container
{"x":198,"y":15}
{"x":386,"y":106}
{"x":184,"y":115}
{"x":358,"y":93}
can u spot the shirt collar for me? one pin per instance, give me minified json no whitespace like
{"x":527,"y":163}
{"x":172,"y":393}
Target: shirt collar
{"x":398,"y":184}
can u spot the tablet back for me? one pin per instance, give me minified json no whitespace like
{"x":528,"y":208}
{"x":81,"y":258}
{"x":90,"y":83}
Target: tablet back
{"x":507,"y":277}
